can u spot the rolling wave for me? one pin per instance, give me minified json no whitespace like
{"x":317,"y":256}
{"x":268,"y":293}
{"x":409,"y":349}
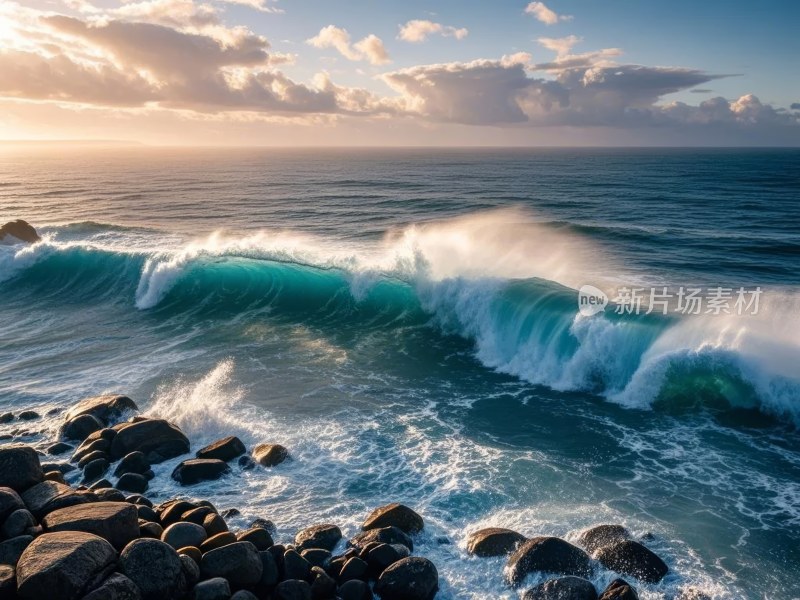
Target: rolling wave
{"x":461,"y":278}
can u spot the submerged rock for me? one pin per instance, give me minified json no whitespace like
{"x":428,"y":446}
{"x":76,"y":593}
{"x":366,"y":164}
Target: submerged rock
{"x":494,"y":541}
{"x":63,"y":565}
{"x":412,"y":578}
{"x":563,"y":588}
{"x":19,"y":467}
{"x":397,"y":515}
{"x":196,"y":470}
{"x":632,"y":558}
{"x":18,"y":231}
{"x":225,"y":449}
{"x":549,"y":555}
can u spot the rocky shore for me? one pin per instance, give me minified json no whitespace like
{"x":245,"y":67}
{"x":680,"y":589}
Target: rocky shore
{"x":101,"y":538}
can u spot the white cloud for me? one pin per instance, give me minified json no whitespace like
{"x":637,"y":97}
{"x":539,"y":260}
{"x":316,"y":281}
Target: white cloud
{"x":418,"y":30}
{"x":369,"y":48}
{"x":542,"y":13}
{"x":560,"y":46}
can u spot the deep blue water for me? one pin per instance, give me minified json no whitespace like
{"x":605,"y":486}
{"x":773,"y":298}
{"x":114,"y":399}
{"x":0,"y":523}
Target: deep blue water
{"x":406,"y":322}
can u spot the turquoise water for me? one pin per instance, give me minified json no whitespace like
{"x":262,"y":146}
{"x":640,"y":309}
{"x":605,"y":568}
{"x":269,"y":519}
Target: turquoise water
{"x":406,"y":323}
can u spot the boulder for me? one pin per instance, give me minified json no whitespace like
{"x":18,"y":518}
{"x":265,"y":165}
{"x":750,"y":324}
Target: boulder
{"x":18,"y":523}
{"x":28,"y":415}
{"x":382,"y":556}
{"x":94,"y":470}
{"x":115,"y":522}
{"x":413,"y":578}
{"x":293,"y":589}
{"x":181,"y":534}
{"x":324,"y":536}
{"x":596,"y":537}
{"x":64,"y":565}
{"x":6,"y":417}
{"x":619,"y":589}
{"x":192,"y":552}
{"x":295,"y":566}
{"x":107,"y":408}
{"x":397,"y":515}
{"x":116,"y":587}
{"x":80,"y":427}
{"x":134,"y":462}
{"x":58,"y":448}
{"x":355,"y":590}
{"x":18,"y":231}
{"x":54,"y":476}
{"x":154,"y":567}
{"x":632,"y":558}
{"x":260,"y":538}
{"x":45,"y":497}
{"x":132,"y":482}
{"x":8,"y":582}
{"x":9,"y":502}
{"x":270,"y":455}
{"x":546,"y":554}
{"x":215,"y":588}
{"x":225,"y":449}
{"x":218,"y":541}
{"x":150,"y":530}
{"x":19,"y":467}
{"x":191,"y":570}
{"x":173,"y":511}
{"x":353,"y":568}
{"x":89,"y":446}
{"x":384,"y":535}
{"x":11,"y":550}
{"x":214,"y":524}
{"x":90,"y":456}
{"x":563,"y":588}
{"x":238,"y":562}
{"x":270,"y":574}
{"x":157,"y":439}
{"x":494,"y":541}
{"x":322,"y":585}
{"x":109,"y":494}
{"x":244,"y":595}
{"x":196,"y":470}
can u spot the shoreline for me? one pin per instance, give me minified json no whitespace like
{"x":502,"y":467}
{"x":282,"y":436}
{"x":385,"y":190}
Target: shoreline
{"x":112,"y":448}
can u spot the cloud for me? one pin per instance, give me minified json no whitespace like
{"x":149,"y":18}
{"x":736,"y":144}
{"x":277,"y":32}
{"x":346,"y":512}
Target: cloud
{"x":544,"y":14}
{"x":795,"y":106}
{"x":418,"y":31}
{"x":560,"y":46}
{"x":700,"y":91}
{"x":369,"y":48}
{"x":259,"y":5}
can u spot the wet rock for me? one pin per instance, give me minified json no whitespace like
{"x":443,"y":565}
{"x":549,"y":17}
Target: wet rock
{"x":632,"y":558}
{"x":157,"y":439}
{"x":257,"y":536}
{"x":225,"y":449}
{"x":619,"y":589}
{"x":397,"y":515}
{"x":270,"y":455}
{"x":94,"y":470}
{"x":102,"y":484}
{"x":692,"y":593}
{"x":602,"y":535}
{"x":80,"y":427}
{"x":317,"y":557}
{"x":323,"y":586}
{"x":19,"y":467}
{"x":215,"y":588}
{"x":107,"y":408}
{"x":239,"y":563}
{"x":214,"y":524}
{"x":218,"y":541}
{"x":244,"y":595}
{"x":354,"y":568}
{"x":293,"y":589}
{"x":134,"y":462}
{"x":116,"y":522}
{"x":18,"y":523}
{"x":54,"y":476}
{"x":192,"y":552}
{"x":90,"y":446}
{"x":563,"y":588}
{"x":133,"y":482}
{"x":109,"y":494}
{"x":9,"y":502}
{"x":11,"y":550}
{"x":45,"y":497}
{"x":18,"y":231}
{"x":382,"y":556}
{"x":139,"y":499}
{"x":154,"y":567}
{"x":150,"y":530}
{"x":355,"y":590}
{"x":318,"y":536}
{"x":58,"y":448}
{"x":295,"y":566}
{"x":265,"y":524}
{"x":195,"y":470}
{"x":412,"y":578}
{"x":546,"y":554}
{"x":384,"y":535}
{"x":6,"y":417}
{"x":69,"y":563}
{"x":89,"y":457}
{"x":494,"y":541}
{"x":28,"y":415}
{"x":182,"y":534}
{"x":116,"y":587}
{"x":196,"y":515}
{"x":270,"y":575}
{"x":246,"y":463}
{"x":8,"y":582}
{"x":174,"y":511}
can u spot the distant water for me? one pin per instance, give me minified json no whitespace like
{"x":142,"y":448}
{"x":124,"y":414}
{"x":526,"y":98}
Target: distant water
{"x":406,"y":322}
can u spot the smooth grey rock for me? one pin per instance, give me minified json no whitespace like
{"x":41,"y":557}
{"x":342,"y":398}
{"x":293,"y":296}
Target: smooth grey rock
{"x":105,"y":408}
{"x":215,"y":588}
{"x":413,"y":578}
{"x":394,"y":515}
{"x":116,"y":587}
{"x":11,"y":550}
{"x":632,"y":558}
{"x":154,"y":567}
{"x":80,"y":427}
{"x":270,"y":455}
{"x":157,"y":439}
{"x":225,"y":449}
{"x":563,"y":588}
{"x":18,"y":523}
{"x":115,"y":522}
{"x":45,"y":497}
{"x":546,"y":554}
{"x":20,"y":468}
{"x":599,"y":536}
{"x":238,"y":562}
{"x":494,"y":541}
{"x":182,"y":534}
{"x":195,"y":470}
{"x":324,"y":535}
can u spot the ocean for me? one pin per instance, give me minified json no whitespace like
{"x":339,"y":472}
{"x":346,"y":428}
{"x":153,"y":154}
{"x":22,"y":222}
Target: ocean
{"x":407,"y":323}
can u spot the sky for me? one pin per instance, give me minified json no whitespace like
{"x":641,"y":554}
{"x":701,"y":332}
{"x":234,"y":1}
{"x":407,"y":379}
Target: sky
{"x":412,"y":73}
